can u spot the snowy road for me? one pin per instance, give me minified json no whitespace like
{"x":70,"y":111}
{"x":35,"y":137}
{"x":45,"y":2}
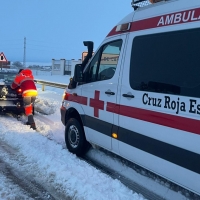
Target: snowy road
{"x":37,"y":164}
{"x":20,"y":179}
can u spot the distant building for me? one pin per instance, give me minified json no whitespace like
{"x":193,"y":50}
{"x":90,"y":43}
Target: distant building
{"x":64,"y":67}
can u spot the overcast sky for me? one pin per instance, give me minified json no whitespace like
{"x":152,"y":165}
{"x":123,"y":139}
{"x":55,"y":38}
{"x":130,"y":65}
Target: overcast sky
{"x":56,"y":29}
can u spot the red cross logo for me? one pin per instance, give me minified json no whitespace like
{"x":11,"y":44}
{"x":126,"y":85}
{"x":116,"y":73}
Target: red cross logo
{"x":96,"y":103}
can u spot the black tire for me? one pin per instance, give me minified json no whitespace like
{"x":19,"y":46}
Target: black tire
{"x":75,"y":138}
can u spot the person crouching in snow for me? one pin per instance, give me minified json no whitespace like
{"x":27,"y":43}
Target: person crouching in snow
{"x":25,"y":81}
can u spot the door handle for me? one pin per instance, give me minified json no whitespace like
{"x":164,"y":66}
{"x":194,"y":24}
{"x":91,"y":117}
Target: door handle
{"x":128,"y":95}
{"x":109,"y":92}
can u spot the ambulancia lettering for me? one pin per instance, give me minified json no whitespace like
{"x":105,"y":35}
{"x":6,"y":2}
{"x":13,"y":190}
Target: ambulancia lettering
{"x":176,"y":18}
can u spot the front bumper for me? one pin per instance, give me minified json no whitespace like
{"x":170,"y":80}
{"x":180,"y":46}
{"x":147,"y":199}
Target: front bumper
{"x":63,"y":114}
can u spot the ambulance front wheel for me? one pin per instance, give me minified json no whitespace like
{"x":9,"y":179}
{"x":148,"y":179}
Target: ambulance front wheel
{"x":75,"y":137}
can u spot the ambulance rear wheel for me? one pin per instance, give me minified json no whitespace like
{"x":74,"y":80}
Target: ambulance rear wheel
{"x":75,"y":137}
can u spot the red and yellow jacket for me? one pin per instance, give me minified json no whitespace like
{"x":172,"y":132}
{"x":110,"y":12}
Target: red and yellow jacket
{"x":25,"y":81}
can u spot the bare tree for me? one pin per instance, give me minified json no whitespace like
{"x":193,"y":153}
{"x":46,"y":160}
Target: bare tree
{"x":18,"y":64}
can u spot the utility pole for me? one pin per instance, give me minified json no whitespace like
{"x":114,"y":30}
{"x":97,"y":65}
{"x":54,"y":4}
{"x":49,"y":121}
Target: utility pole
{"x":24,"y":60}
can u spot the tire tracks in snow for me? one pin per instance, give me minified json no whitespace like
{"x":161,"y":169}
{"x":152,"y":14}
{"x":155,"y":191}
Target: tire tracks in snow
{"x":44,"y":119}
{"x":43,"y":122}
{"x":30,"y":186}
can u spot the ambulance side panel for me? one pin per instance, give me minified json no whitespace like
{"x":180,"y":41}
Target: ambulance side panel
{"x":159,"y":115}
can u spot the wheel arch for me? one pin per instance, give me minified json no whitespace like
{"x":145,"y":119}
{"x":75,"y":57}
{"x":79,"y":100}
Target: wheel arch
{"x":73,"y":113}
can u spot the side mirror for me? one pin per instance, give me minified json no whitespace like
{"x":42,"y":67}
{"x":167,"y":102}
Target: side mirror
{"x":78,"y":73}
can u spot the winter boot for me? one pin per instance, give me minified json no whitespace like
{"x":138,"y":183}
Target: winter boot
{"x":33,"y":126}
{"x":31,"y":122}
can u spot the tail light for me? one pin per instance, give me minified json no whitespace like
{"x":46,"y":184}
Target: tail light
{"x":19,"y":91}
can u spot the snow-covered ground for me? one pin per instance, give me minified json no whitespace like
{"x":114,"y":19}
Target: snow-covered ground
{"x":43,"y":155}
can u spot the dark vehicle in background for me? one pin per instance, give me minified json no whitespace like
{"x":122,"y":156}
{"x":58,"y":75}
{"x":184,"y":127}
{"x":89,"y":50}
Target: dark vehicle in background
{"x":11,"y":101}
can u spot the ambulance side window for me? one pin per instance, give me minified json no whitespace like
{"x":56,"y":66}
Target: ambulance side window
{"x":167,"y":63}
{"x":91,"y":75}
{"x":109,"y":60}
{"x":104,"y":64}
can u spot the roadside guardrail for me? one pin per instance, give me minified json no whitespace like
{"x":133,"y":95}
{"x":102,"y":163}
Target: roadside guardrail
{"x":51,"y":84}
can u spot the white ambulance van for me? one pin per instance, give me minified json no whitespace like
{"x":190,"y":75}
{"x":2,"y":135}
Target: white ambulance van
{"x":138,"y":96}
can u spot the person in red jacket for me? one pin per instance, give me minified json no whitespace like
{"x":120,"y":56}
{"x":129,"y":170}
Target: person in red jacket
{"x":25,"y":81}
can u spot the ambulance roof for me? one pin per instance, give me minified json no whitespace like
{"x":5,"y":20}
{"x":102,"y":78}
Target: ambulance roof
{"x":162,"y":13}
{"x":160,"y":8}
